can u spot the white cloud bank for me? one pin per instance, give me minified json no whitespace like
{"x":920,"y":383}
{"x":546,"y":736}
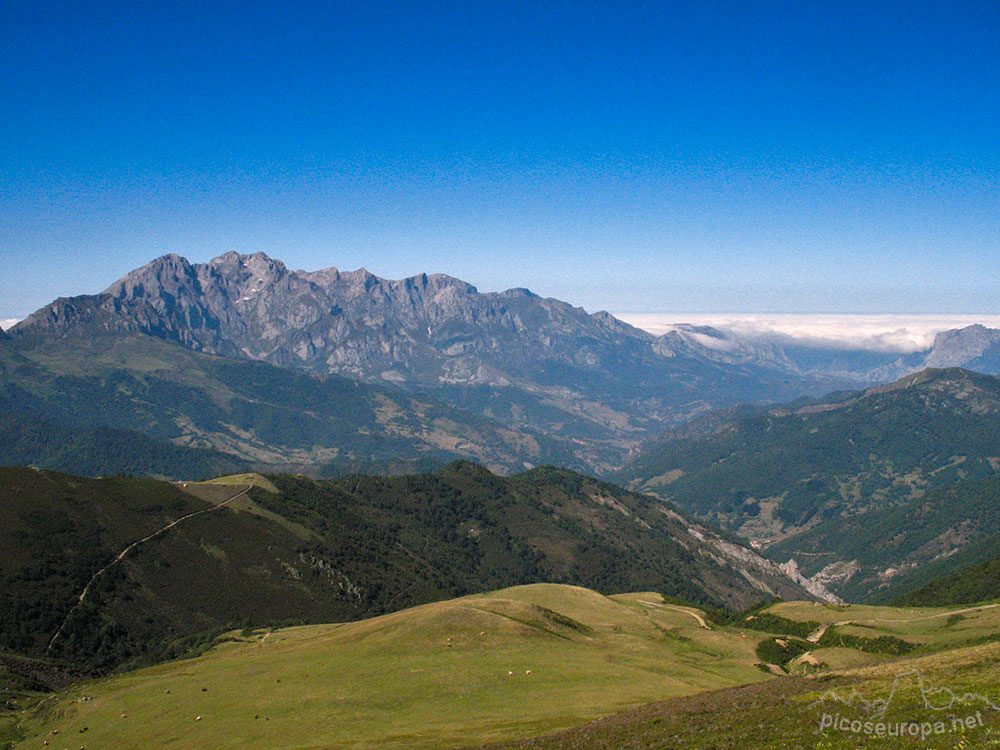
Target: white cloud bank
{"x":881,"y":333}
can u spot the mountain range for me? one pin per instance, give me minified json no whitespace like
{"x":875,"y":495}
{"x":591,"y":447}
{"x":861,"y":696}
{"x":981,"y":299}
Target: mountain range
{"x":589,"y":382}
{"x":399,"y":443}
{"x":185,"y":370}
{"x":974,"y":347}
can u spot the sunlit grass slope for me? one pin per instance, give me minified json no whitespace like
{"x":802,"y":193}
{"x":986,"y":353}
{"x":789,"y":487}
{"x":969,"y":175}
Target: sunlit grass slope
{"x":515,"y":663}
{"x":928,"y":628}
{"x":235,"y":480}
{"x":526,"y":662}
{"x":827,"y":637}
{"x":949,"y":697}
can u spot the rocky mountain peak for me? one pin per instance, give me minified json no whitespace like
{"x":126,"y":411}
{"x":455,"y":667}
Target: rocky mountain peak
{"x":168,"y":272}
{"x":257,"y":268}
{"x":440,"y":280}
{"x":360,"y":280}
{"x":517,"y":293}
{"x":961,"y":346}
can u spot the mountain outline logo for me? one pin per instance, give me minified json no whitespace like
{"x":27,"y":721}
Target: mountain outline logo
{"x":937,"y":699}
{"x":877,"y":708}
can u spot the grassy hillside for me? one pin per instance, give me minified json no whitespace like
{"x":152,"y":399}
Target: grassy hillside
{"x":513,"y":663}
{"x":926,"y":629}
{"x":951,"y":674}
{"x":804,"y":712}
{"x":531,"y":660}
{"x":836,"y":480}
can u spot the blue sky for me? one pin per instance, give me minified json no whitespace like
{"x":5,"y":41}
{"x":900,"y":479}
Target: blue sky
{"x":630,"y":156}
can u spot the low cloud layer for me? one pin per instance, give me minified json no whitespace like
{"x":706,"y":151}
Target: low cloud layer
{"x":6,"y":323}
{"x":880,"y":333}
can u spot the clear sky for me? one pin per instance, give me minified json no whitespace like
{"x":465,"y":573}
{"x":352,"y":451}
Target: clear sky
{"x":631,"y":156}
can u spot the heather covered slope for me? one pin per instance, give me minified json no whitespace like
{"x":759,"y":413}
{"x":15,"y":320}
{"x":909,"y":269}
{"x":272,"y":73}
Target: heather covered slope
{"x":565,"y":527}
{"x":214,"y":570}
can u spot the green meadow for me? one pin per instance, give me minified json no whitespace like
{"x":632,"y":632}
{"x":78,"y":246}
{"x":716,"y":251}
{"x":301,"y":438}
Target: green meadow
{"x":945,"y":700}
{"x":504,"y":667}
{"x":515,"y":663}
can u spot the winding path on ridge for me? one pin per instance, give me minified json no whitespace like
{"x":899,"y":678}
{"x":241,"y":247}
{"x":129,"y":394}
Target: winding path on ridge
{"x":814,"y":636}
{"x":129,"y":548}
{"x":697,"y":616}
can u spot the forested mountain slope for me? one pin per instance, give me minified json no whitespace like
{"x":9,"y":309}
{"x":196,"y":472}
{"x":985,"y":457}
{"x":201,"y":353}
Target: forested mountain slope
{"x":292,"y":549}
{"x":852,"y":479}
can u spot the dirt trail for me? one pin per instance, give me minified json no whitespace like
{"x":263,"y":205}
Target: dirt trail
{"x":129,"y":548}
{"x":939,"y":614}
{"x":814,"y":636}
{"x":696,"y":615}
{"x":819,"y":632}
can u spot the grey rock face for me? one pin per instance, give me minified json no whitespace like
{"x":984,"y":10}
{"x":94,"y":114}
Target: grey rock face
{"x":815,"y":585}
{"x":974,"y":347}
{"x":428,"y":328}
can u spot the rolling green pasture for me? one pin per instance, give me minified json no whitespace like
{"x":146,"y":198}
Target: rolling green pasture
{"x":519,"y":662}
{"x":950,"y":697}
{"x":541,"y":661}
